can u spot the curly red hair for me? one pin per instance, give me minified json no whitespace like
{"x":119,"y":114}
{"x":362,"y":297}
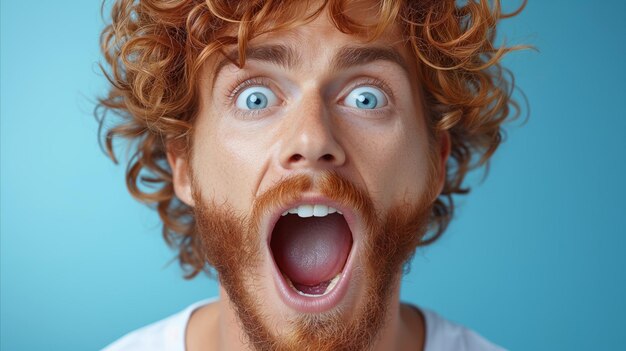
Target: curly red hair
{"x":155,"y":49}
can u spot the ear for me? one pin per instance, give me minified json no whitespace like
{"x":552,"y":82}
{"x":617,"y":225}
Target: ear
{"x":181,"y":178}
{"x":444,"y":148}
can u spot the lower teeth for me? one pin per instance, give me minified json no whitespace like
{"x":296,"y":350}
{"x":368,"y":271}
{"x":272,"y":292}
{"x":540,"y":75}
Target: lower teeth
{"x":329,"y":288}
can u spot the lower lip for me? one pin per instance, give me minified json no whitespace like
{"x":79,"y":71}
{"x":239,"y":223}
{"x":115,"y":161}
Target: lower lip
{"x":310,"y":304}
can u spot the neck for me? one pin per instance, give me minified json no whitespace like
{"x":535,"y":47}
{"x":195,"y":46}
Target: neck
{"x":216,"y":327}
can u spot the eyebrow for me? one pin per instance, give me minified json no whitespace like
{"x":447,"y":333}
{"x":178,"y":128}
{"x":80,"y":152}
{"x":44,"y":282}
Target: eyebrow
{"x":280,"y":55}
{"x":356,"y":56}
{"x":288,"y":58}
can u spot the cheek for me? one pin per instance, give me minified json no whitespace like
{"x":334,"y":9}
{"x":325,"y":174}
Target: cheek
{"x":412,"y":158}
{"x":394,"y":162}
{"x":227,"y":163}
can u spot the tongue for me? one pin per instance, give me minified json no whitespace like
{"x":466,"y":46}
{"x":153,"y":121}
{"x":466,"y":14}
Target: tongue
{"x":312,"y":250}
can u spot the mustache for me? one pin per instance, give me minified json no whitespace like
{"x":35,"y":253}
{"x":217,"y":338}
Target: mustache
{"x":329,"y":183}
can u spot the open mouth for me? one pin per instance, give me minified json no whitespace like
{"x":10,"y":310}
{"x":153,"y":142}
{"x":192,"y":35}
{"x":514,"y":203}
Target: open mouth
{"x":311,"y":246}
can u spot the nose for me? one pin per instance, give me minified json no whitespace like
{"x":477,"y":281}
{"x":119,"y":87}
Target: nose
{"x":310,"y":141}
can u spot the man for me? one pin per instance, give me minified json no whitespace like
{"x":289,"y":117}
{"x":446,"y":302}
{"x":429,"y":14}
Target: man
{"x":303,"y":151}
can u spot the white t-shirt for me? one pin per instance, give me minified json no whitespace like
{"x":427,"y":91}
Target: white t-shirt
{"x":169,"y":334}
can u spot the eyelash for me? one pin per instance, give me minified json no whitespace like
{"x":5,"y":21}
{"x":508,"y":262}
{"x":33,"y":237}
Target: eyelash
{"x":375,"y":82}
{"x":247,"y":81}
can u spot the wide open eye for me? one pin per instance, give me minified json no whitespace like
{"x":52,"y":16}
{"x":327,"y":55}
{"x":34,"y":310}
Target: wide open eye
{"x":256,"y":98}
{"x":366,"y":97}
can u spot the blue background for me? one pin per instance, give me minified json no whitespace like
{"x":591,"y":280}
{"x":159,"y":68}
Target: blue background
{"x":535,"y":259}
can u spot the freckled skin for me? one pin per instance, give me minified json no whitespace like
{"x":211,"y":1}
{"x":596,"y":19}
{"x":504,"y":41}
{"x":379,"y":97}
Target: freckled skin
{"x":238,"y":154}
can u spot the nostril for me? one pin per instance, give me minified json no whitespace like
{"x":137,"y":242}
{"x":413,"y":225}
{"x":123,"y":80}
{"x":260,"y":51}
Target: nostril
{"x":295,"y":158}
{"x":298,"y":158}
{"x":328,"y":157}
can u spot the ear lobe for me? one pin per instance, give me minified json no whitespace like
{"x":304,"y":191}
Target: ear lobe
{"x":181,"y":179}
{"x":445,"y":147}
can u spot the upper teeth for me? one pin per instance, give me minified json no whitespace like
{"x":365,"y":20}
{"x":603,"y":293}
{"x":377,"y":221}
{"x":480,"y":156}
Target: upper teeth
{"x":312,"y":210}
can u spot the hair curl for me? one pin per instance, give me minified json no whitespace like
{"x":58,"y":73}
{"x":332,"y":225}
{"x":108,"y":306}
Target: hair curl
{"x":155,"y":49}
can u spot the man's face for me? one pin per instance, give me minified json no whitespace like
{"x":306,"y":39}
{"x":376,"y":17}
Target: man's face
{"x":316,"y":120}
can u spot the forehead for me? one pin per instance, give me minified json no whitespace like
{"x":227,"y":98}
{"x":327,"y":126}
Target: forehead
{"x":320,"y":43}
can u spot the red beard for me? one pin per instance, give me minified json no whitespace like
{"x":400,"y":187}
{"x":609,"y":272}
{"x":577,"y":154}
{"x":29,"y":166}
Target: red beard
{"x":232,"y":245}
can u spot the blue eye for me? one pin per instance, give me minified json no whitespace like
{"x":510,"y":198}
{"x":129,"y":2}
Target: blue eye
{"x":366,"y":97}
{"x":256,"y":98}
